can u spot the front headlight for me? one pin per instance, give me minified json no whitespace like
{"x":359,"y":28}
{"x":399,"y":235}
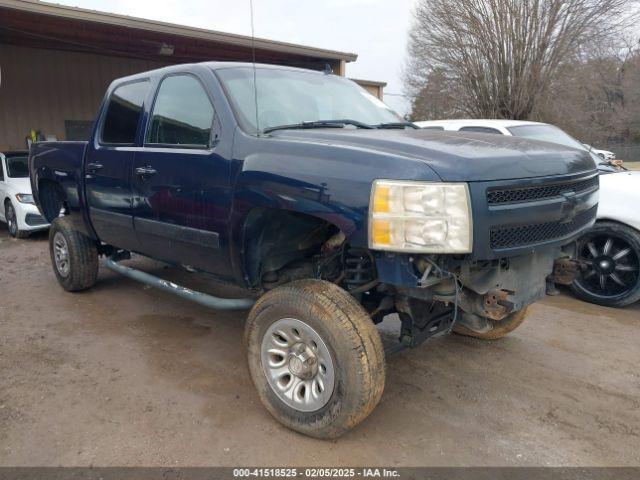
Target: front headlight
{"x":407,"y":216}
{"x":25,"y":198}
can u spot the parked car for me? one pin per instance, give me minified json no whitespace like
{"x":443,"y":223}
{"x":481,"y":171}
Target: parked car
{"x":610,"y":251}
{"x":17,"y":208}
{"x":328,"y":209}
{"x":518,"y":128}
{"x":604,"y":154}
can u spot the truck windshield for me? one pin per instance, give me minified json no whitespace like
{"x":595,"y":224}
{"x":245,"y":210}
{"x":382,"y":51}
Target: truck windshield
{"x":289,"y":97}
{"x":17,"y":167}
{"x":546,"y":133}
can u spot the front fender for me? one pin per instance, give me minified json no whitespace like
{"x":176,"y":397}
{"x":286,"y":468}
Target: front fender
{"x":320,"y":179}
{"x":261,"y":190}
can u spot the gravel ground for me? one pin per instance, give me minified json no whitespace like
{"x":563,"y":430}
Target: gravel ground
{"x":126,"y":375}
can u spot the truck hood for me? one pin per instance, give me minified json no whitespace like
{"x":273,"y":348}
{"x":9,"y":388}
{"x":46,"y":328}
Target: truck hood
{"x":458,"y":156}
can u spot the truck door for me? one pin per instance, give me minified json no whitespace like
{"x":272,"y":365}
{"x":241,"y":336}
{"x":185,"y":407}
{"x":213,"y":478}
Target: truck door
{"x":108,"y":164}
{"x":181,"y":180}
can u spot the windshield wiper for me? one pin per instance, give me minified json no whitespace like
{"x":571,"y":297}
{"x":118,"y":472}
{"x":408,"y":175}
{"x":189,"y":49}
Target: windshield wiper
{"x":318,"y":124}
{"x":397,"y":125}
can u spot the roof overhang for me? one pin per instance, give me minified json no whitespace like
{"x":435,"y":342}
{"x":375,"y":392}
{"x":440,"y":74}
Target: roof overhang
{"x":46,"y":25}
{"x":371,"y":83}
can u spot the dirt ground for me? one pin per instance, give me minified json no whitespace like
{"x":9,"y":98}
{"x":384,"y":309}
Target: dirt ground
{"x":127,"y":375}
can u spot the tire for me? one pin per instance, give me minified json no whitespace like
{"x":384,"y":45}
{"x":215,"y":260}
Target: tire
{"x":74,"y":256}
{"x":500,"y":329}
{"x":611,"y":276}
{"x":347,"y":346}
{"x":12,"y":221}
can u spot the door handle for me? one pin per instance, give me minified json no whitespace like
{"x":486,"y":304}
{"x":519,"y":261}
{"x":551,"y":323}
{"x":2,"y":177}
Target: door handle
{"x":94,"y":167}
{"x":146,"y":171}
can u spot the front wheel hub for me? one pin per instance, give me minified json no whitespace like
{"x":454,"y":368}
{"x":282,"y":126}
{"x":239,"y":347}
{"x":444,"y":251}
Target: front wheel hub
{"x":604,"y":265}
{"x":302,"y":362}
{"x":298,"y":365}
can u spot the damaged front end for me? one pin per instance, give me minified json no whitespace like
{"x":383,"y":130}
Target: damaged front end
{"x":470,"y":295}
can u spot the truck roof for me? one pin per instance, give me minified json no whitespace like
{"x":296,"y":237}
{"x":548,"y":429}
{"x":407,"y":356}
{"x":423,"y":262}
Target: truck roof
{"x":212,"y":66}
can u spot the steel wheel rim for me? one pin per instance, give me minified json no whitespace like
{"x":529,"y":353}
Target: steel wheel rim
{"x":12,"y":224}
{"x":61,"y":254}
{"x":298,"y":365}
{"x":611,"y":266}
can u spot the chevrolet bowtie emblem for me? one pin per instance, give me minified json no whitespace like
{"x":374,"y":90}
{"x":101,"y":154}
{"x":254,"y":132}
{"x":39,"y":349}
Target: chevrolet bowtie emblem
{"x":569,"y":207}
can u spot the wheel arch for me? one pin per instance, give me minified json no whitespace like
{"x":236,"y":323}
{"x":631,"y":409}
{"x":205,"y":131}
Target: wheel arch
{"x":51,"y":198}
{"x":271,"y":238}
{"x":5,"y":200}
{"x":617,"y":221}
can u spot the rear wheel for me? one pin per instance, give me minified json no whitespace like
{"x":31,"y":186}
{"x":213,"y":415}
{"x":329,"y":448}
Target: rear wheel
{"x":74,"y":256}
{"x":610,"y":255}
{"x":499,"y":328}
{"x":315,"y":358}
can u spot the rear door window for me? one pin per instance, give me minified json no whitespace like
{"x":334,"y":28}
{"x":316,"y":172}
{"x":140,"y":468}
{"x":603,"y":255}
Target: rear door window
{"x":123,"y":113}
{"x":182,"y":114}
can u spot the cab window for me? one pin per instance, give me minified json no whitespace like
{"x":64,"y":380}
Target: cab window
{"x":123,"y":113}
{"x":182,"y":114}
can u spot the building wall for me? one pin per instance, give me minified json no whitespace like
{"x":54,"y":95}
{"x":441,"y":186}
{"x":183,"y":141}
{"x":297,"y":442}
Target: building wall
{"x":40,"y":89}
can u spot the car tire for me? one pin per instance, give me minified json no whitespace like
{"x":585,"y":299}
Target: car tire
{"x":313,"y":319}
{"x":616,"y":266}
{"x":12,"y":221}
{"x":74,"y":256}
{"x":500,"y":328}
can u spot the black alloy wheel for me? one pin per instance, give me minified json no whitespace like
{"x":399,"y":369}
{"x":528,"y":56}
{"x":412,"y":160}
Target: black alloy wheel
{"x":610,"y":257}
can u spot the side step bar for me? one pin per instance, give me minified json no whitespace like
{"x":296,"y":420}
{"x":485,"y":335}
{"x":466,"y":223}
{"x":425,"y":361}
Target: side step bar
{"x":204,"y":299}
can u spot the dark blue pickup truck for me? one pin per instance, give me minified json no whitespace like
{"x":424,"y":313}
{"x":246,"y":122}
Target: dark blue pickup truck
{"x":328,"y":209}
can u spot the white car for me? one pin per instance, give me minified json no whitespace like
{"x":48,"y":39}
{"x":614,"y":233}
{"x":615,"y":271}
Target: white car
{"x":610,"y":251}
{"x":17,"y":208}
{"x":515,"y":128}
{"x":603,"y":154}
{"x":518,"y":128}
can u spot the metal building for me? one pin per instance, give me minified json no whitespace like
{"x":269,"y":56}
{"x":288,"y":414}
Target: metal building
{"x":56,"y":62}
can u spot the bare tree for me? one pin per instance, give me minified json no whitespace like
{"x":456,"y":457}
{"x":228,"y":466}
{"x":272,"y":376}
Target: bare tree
{"x":435,"y":99}
{"x":500,"y":56}
{"x":597,"y":100}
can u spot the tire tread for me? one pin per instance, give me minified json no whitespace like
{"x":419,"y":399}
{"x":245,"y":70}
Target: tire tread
{"x":83,"y":257}
{"x":329,"y":301}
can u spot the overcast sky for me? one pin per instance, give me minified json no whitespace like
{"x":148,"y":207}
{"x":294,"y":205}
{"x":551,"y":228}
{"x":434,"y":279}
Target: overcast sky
{"x":374,"y":29}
